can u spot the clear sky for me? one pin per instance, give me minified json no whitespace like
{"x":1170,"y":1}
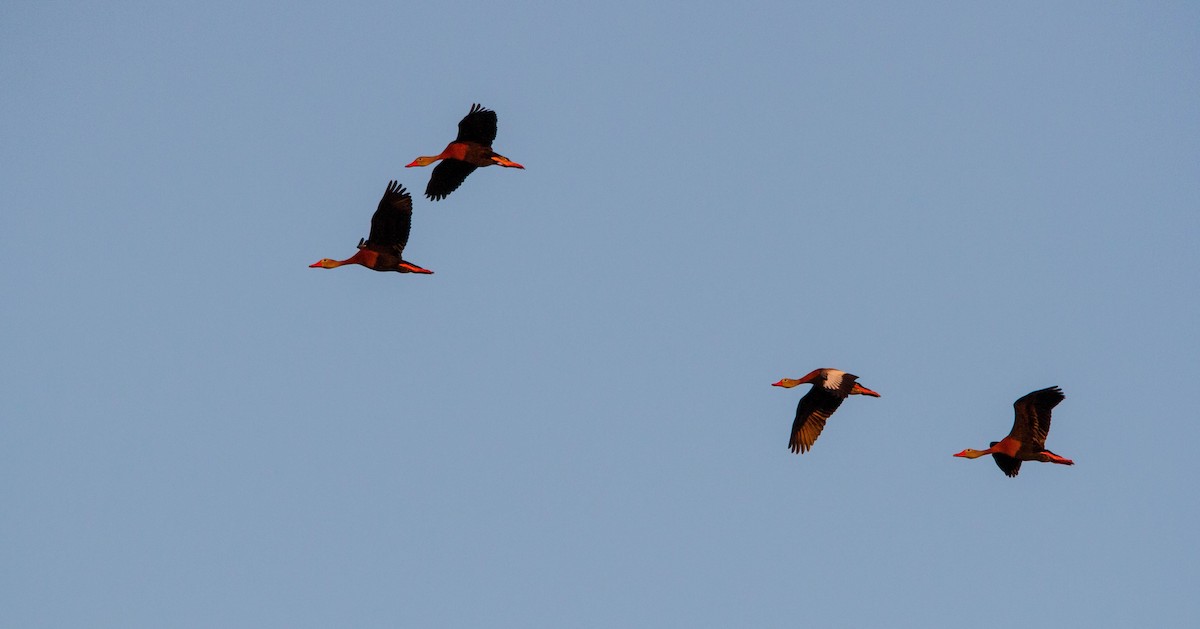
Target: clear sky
{"x":571,"y":423}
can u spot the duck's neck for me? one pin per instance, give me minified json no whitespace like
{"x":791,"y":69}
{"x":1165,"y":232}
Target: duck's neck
{"x":360,"y":257}
{"x":453,"y":150}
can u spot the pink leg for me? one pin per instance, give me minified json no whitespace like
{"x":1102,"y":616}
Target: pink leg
{"x":1054,"y":458}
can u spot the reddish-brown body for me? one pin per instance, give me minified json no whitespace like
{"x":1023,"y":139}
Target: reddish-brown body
{"x":457,"y":150}
{"x":376,"y":261}
{"x":364,"y":257}
{"x":1007,"y":445}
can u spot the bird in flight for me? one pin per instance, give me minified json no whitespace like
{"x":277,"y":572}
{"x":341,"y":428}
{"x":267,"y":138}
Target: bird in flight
{"x":830,"y":388}
{"x":470,"y":150}
{"x":390,"y":225}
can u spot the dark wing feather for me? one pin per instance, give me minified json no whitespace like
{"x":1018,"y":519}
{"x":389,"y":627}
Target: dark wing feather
{"x":447,"y":176}
{"x":1032,"y":422}
{"x":1007,"y":464}
{"x":814,"y":408}
{"x":391,"y":223}
{"x":478,"y":126}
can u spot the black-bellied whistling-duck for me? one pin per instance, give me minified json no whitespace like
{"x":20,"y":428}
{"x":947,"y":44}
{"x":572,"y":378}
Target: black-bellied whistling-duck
{"x":1027,"y":441}
{"x":830,"y":387}
{"x":470,"y":150}
{"x":390,"y":225}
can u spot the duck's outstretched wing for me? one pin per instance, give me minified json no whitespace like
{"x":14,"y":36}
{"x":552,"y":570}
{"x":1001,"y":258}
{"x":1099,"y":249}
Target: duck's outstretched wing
{"x":478,"y":126}
{"x":392,"y":221}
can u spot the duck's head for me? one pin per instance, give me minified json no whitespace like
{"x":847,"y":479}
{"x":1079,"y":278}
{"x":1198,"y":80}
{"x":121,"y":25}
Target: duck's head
{"x":971,"y":454}
{"x":424,"y":160}
{"x":324,"y":263}
{"x":814,"y":377}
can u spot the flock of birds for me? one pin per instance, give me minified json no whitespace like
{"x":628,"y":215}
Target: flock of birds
{"x":1025,"y":442}
{"x":383,"y":250}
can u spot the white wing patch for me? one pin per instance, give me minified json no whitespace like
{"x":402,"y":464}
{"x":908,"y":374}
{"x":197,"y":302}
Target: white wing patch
{"x":833,"y":379}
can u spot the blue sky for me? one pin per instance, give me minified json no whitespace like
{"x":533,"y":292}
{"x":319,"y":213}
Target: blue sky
{"x":571,"y":422}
